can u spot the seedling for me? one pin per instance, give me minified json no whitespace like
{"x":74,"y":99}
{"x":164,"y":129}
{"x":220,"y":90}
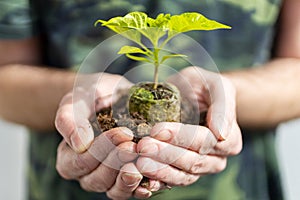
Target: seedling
{"x":158,"y":31}
{"x":149,"y":103}
{"x":155,"y":101}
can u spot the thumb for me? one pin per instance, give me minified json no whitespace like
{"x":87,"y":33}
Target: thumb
{"x":72,"y":123}
{"x":222,"y":110}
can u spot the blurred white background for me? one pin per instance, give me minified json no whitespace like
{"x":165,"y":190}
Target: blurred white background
{"x":13,"y":156}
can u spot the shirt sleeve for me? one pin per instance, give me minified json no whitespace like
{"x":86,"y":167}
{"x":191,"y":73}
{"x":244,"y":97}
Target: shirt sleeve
{"x":16,"y":20}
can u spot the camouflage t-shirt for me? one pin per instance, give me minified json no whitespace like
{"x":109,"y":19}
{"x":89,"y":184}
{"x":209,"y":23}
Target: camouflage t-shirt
{"x":69,"y":35}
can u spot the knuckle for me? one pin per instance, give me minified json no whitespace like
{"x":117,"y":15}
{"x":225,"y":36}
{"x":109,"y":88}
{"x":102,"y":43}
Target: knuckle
{"x":154,"y":174}
{"x":118,"y":135}
{"x":187,"y":179}
{"x":143,"y":164}
{"x":196,"y":167}
{"x":239,"y":143}
{"x":127,"y":152}
{"x":84,"y":185}
{"x":59,"y":171}
{"x":160,"y":174}
{"x":82,"y":167}
{"x":223,"y":149}
{"x":60,"y":165}
{"x":236,"y":149}
{"x":235,"y":146}
{"x":62,"y":171}
{"x":221,"y":166}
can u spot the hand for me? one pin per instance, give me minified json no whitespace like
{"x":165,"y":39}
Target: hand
{"x":90,"y":94}
{"x":179,"y":154}
{"x":103,"y":163}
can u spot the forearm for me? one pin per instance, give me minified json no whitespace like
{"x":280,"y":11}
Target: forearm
{"x":30,"y":95}
{"x":269,"y":94}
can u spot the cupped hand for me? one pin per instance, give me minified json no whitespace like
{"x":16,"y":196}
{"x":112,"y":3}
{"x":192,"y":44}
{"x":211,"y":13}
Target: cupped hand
{"x":105,"y":167}
{"x":102,"y":163}
{"x":178,"y":154}
{"x":77,"y":108}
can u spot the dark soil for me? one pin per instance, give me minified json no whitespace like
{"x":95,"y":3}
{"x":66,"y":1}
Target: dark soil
{"x":161,"y":92}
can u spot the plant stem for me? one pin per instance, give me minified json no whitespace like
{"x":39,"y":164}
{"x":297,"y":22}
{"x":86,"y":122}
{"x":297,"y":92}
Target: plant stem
{"x":156,"y":65}
{"x":155,"y":75}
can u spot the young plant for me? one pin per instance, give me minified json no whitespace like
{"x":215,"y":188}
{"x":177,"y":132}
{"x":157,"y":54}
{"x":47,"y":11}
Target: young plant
{"x":154,"y":102}
{"x":158,"y":31}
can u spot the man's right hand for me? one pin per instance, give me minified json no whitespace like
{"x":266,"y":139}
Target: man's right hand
{"x":102,"y":163}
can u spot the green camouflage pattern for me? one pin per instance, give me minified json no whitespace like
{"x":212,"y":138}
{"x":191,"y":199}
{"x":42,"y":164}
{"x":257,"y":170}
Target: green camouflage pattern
{"x":15,"y":19}
{"x":68,"y":26}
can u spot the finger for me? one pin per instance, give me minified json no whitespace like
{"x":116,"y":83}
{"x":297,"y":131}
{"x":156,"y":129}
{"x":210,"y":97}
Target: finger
{"x":142,"y":193}
{"x":105,"y":96}
{"x":196,"y":138}
{"x":232,"y":145}
{"x":164,"y":173}
{"x":182,"y":83}
{"x":127,"y":181}
{"x":211,"y":91}
{"x":104,"y":176}
{"x":73,"y":124}
{"x":192,"y":83}
{"x":222,"y":112}
{"x":183,"y":159}
{"x":154,"y":186}
{"x":72,"y":165}
{"x":108,"y":140}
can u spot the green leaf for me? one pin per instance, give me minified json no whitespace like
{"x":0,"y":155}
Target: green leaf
{"x":172,"y":56}
{"x":131,"y":49}
{"x":133,"y":20}
{"x":134,"y":25}
{"x":138,"y":58}
{"x":157,"y":28}
{"x":161,"y":21}
{"x":127,"y":24}
{"x":193,"y":21}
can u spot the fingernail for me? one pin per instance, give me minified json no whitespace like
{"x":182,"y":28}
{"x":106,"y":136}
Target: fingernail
{"x":163,"y":135}
{"x":154,"y":185}
{"x":149,"y":148}
{"x":146,"y":193}
{"x":80,"y":141}
{"x":131,"y":179}
{"x":126,"y":131}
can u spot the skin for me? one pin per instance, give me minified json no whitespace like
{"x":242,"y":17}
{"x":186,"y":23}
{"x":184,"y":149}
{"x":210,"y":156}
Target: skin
{"x":21,"y":81}
{"x":18,"y":59}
